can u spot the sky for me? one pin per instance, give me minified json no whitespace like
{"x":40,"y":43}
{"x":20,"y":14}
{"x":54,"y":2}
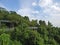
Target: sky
{"x":48,"y":10}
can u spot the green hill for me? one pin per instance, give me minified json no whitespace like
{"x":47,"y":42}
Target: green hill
{"x":18,"y":30}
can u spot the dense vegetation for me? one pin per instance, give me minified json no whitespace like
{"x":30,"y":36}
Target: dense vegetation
{"x":46,"y":34}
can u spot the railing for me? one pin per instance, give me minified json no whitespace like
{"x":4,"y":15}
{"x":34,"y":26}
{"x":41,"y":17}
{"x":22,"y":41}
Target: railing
{"x":33,"y":28}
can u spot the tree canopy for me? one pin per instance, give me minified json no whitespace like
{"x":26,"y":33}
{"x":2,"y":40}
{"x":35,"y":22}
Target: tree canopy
{"x":22,"y":35}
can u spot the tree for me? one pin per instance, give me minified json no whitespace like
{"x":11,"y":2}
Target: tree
{"x":42,"y":23}
{"x":49,"y":24}
{"x":3,"y":13}
{"x":5,"y":39}
{"x":31,"y":38}
{"x":26,"y":18}
{"x":33,"y":23}
{"x":15,"y":42}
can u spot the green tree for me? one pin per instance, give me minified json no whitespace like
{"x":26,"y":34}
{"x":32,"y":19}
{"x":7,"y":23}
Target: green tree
{"x":33,"y":23}
{"x":42,"y":23}
{"x":49,"y":24}
{"x":5,"y":39}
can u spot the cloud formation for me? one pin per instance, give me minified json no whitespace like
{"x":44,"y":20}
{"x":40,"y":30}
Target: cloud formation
{"x":52,"y":9}
{"x":48,"y":10}
{"x":34,"y":4}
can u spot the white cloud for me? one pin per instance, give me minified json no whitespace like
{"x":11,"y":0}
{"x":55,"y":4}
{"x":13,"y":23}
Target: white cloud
{"x":28,"y":12}
{"x":44,"y":3}
{"x":55,"y":20}
{"x":52,"y":9}
{"x":24,"y":11}
{"x":35,"y":12}
{"x":49,"y":7}
{"x":34,"y":4}
{"x":55,"y":7}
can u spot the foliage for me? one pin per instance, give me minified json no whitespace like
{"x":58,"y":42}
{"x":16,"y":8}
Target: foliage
{"x":20,"y":34}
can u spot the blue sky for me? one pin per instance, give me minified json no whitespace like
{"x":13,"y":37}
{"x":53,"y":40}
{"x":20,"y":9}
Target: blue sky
{"x":10,"y":4}
{"x":48,"y":10}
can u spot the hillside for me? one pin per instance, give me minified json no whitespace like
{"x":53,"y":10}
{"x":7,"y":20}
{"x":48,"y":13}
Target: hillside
{"x":18,"y":30}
